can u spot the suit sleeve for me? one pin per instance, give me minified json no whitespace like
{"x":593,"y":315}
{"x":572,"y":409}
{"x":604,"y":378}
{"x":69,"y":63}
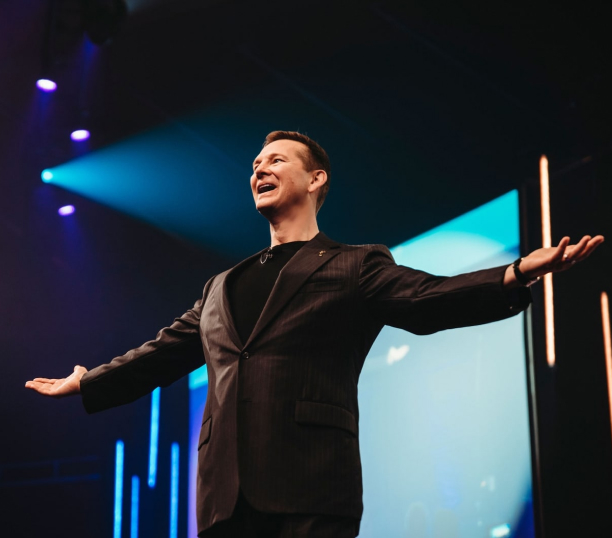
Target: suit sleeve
{"x":176,"y":351}
{"x":423,"y":303}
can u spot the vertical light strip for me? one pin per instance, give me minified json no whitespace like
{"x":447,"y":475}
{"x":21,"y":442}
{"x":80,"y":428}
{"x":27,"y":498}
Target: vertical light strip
{"x":174,"y":490}
{"x":118,"y":489}
{"x":154,"y":437}
{"x":549,"y":314}
{"x":605,"y":321}
{"x":135,"y":503}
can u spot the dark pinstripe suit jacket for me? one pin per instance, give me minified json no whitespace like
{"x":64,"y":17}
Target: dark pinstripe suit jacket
{"x":281,"y":418}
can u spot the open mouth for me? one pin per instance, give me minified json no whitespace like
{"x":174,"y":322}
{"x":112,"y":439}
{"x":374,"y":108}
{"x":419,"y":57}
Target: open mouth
{"x":265,"y":187}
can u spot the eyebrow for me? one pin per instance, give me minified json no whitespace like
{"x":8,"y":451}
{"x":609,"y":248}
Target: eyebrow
{"x":272,"y":155}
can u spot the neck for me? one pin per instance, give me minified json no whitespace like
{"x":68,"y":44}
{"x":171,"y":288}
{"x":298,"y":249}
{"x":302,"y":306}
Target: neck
{"x":296,"y":228}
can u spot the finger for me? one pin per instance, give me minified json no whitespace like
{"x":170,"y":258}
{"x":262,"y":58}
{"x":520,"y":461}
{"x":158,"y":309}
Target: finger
{"x":560,"y":250}
{"x":590,"y":247}
{"x":574,"y":251}
{"x":596,"y":241}
{"x":44,"y":380}
{"x":42,"y":388}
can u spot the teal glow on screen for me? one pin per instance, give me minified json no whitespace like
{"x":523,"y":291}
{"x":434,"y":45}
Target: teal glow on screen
{"x":444,"y":427}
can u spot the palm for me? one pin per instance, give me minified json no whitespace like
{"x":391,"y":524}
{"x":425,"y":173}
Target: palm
{"x":58,"y":388}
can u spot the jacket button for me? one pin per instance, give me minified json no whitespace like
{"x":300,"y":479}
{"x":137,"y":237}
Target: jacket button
{"x":245,"y":355}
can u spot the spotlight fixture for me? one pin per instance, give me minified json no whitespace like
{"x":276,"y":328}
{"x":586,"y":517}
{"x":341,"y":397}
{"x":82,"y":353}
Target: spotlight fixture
{"x":46,"y":85}
{"x":79,"y":135}
{"x":66,"y":210}
{"x":103,"y":18}
{"x":46,"y":176}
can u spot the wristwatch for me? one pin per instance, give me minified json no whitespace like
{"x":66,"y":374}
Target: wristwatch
{"x":520,"y":276}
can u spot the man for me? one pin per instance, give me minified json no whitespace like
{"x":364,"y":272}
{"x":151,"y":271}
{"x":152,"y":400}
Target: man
{"x":285,"y":334}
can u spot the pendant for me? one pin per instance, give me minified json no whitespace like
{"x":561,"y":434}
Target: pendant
{"x":265,"y":256}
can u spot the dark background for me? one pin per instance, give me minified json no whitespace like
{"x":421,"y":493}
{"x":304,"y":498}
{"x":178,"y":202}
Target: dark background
{"x":427,"y":110}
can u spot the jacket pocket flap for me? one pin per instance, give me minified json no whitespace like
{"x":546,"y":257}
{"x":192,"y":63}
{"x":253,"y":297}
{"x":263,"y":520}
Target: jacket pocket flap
{"x":205,"y":432}
{"x":323,"y":414}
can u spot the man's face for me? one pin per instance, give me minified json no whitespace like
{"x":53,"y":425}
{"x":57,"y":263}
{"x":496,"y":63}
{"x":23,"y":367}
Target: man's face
{"x":280,"y":183}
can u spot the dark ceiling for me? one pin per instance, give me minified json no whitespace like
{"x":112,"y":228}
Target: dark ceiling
{"x":427,"y":109}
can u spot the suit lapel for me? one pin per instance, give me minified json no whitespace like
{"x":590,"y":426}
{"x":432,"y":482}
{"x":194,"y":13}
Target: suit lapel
{"x":304,"y":263}
{"x":226,"y":313}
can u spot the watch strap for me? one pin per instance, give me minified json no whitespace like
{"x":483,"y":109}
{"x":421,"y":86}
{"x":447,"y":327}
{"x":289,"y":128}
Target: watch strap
{"x":522,"y":279}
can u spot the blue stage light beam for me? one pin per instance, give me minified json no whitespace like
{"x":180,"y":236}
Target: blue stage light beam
{"x":175,"y":180}
{"x":191,"y":176}
{"x":119,"y":450}
{"x":154,"y":437}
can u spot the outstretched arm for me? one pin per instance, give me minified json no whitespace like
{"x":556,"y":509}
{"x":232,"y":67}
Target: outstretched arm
{"x":423,"y":303}
{"x":553,"y":259}
{"x":175,"y":352}
{"x":59,"y":388}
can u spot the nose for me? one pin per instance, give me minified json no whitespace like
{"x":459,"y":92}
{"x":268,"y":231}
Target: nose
{"x":261,"y":171}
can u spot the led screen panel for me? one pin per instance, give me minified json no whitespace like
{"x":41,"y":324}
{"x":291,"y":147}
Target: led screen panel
{"x":444,"y":424}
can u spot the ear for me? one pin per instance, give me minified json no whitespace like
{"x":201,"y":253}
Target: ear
{"x":317,"y":180}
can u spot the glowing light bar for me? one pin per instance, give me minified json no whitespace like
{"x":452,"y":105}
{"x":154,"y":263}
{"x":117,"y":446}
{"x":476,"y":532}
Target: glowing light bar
{"x":118,"y":489}
{"x":66,"y":210}
{"x":135,"y":503}
{"x":46,"y":176}
{"x":549,"y":313}
{"x":46,"y":85}
{"x":198,"y":378}
{"x":607,"y":330}
{"x":79,"y":135}
{"x":154,"y":437}
{"x":174,"y":491}
{"x":500,"y":531}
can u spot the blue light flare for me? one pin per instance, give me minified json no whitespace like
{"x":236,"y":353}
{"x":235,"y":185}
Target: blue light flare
{"x":118,"y":489}
{"x":135,"y":503}
{"x":46,"y":176}
{"x":79,"y":135}
{"x":154,"y":437}
{"x":174,"y":491}
{"x":66,"y":210}
{"x":46,"y":85}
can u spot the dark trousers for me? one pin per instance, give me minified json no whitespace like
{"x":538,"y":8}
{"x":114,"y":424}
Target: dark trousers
{"x":246,"y":522}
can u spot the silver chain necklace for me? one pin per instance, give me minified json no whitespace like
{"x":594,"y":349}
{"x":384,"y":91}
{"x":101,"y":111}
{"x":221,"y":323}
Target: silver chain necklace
{"x":266,"y":255}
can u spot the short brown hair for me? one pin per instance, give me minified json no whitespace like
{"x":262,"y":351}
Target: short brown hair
{"x":316,"y":158}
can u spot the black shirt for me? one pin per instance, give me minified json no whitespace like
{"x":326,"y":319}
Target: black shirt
{"x":250,"y":286}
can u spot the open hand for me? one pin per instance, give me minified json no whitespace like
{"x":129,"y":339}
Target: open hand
{"x":59,"y":388}
{"x":559,"y":258}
